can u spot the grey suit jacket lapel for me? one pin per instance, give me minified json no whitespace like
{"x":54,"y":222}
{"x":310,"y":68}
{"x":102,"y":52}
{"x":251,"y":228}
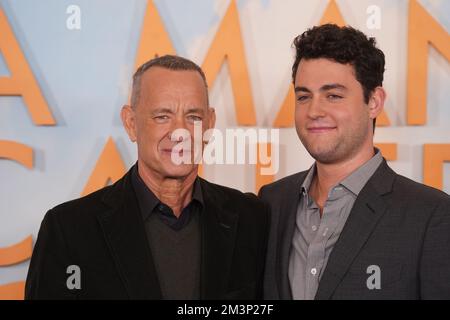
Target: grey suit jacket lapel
{"x":286,"y":227}
{"x":369,"y":207}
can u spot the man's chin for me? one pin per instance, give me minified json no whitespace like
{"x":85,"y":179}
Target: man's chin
{"x":174,"y":171}
{"x":324,"y":156}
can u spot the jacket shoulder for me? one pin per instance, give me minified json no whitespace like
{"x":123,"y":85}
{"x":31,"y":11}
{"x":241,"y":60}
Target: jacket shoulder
{"x":81,"y":208}
{"x":417,"y":192}
{"x":280,"y":186}
{"x":232,"y":196}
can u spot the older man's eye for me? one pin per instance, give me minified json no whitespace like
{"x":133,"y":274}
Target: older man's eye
{"x":194,"y":118}
{"x":161,"y":118}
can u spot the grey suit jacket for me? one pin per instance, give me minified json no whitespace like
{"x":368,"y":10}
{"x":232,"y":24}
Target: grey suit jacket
{"x":401,"y":226}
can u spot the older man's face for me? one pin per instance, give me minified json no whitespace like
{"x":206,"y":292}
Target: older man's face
{"x":169,"y":100}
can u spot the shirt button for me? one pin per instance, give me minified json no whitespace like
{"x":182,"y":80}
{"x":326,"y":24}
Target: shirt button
{"x":314,"y":228}
{"x":313,"y":271}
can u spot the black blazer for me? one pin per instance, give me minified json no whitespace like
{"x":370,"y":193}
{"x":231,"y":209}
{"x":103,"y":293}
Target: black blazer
{"x":401,"y":226}
{"x":103,"y":233}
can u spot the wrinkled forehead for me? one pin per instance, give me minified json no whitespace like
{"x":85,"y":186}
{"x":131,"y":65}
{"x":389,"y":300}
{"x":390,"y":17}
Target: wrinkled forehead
{"x":159,"y":83}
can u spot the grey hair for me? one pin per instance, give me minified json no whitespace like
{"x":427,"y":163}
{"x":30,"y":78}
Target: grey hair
{"x":170,"y":62}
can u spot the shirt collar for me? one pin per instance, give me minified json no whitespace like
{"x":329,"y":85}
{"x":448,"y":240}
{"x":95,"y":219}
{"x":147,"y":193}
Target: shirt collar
{"x":353,"y":182}
{"x":358,"y":178}
{"x":147,"y":199}
{"x":308,"y":179}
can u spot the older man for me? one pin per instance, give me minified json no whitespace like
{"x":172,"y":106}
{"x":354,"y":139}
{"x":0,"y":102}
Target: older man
{"x":160,"y":232}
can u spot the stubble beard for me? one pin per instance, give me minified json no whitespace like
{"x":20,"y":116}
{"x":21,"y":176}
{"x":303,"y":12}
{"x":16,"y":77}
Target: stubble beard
{"x":339,"y":148}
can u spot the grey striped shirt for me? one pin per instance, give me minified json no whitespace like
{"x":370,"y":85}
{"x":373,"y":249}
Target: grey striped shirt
{"x":314,"y":238}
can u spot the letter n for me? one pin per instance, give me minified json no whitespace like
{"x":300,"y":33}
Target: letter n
{"x":423,"y":29}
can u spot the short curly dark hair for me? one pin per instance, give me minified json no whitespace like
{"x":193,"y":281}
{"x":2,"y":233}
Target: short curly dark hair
{"x":345,"y":45}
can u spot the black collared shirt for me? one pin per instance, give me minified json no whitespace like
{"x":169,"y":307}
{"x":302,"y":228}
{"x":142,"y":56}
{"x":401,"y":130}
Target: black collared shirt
{"x":173,"y":241}
{"x":150,"y":204}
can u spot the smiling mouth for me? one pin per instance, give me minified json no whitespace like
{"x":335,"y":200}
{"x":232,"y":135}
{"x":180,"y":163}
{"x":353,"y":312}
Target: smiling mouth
{"x":170,"y":151}
{"x":320,"y":129}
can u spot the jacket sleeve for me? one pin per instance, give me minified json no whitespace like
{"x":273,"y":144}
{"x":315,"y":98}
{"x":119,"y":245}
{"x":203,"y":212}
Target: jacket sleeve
{"x":435,"y":260}
{"x":47,"y":275}
{"x":270,"y":291}
{"x":263,"y":251}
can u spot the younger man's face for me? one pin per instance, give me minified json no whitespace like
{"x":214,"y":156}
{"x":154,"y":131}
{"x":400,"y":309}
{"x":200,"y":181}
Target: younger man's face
{"x":331,"y":117}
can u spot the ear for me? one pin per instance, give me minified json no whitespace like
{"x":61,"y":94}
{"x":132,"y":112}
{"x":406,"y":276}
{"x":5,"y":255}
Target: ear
{"x":211,"y":117}
{"x":376,"y":102}
{"x":129,"y":121}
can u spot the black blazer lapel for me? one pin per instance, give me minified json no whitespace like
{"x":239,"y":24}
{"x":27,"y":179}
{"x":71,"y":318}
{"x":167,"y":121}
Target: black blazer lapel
{"x":286,"y":227}
{"x":218,"y":227}
{"x":369,"y":207}
{"x":125,"y":235}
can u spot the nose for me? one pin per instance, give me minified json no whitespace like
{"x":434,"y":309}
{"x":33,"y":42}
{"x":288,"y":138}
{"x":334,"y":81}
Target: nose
{"x":178,"y":129}
{"x":315,"y":109}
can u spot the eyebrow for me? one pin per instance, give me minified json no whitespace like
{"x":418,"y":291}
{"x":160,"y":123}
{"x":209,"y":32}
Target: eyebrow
{"x":162,"y":110}
{"x":195,"y":110}
{"x":170,"y":111}
{"x":325,"y":87}
{"x":333,"y":86}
